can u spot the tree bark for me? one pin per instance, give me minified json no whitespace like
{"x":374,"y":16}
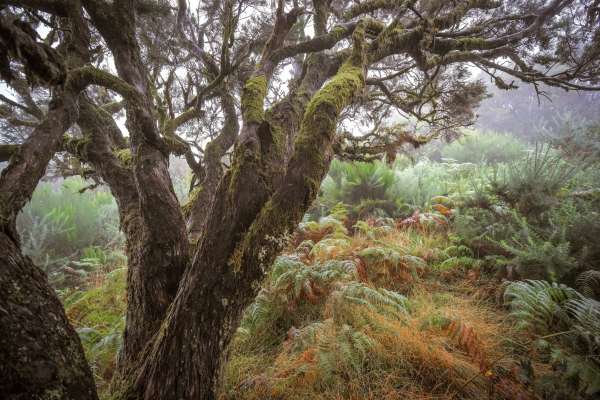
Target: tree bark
{"x":40,"y":353}
{"x":186,"y":357}
{"x":159,"y":248}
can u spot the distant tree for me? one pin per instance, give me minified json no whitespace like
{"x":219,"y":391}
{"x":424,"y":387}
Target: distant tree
{"x":297,"y":75}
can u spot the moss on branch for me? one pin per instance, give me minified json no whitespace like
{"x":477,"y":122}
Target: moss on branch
{"x":77,"y":146}
{"x":125,"y":157}
{"x":253,"y":98}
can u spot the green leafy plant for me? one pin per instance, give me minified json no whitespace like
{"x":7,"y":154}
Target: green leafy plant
{"x":538,"y":257}
{"x":570,"y":325}
{"x":531,"y":185}
{"x":480,"y":148}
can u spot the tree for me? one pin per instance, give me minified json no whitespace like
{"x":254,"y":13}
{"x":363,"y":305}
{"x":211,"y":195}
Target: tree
{"x":184,"y":78}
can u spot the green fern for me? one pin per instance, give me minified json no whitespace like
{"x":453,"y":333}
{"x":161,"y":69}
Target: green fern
{"x":576,"y":371}
{"x":531,"y":185}
{"x":389,"y":262}
{"x":339,"y":350}
{"x":291,"y":286}
{"x":585,"y":314}
{"x":372,"y":301}
{"x":588,"y":283}
{"x":568,"y":319}
{"x":539,"y":304}
{"x":536,"y":256}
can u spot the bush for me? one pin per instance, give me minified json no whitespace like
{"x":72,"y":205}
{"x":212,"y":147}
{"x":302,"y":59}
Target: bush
{"x":531,"y":185}
{"x":417,"y":184}
{"x":539,"y":257}
{"x":352,"y":183}
{"x":570,"y":325}
{"x":485,"y":148}
{"x":98,"y":315}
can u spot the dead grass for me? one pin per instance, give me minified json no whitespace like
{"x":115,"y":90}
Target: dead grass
{"x":452,"y":345}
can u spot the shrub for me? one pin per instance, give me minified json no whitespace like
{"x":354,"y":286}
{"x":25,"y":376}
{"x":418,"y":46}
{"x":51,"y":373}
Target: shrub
{"x":416,"y":185}
{"x":538,"y":257}
{"x":98,"y":315}
{"x":288,"y":297}
{"x":531,"y":185}
{"x":484,"y":148}
{"x":570,"y":324}
{"x":352,"y":183}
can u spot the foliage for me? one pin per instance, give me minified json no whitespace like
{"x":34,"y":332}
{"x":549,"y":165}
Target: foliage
{"x":288,"y":296}
{"x":538,"y":257}
{"x":350,"y":183}
{"x":531,"y":185}
{"x":364,"y":185}
{"x":578,"y":142}
{"x":68,"y":232}
{"x":98,"y":315}
{"x":387,"y":265}
{"x":484,"y":148}
{"x":417,"y":184}
{"x":588,"y":283}
{"x":570,"y":324}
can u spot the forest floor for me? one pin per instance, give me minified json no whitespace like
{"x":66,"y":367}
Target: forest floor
{"x":377,"y":311}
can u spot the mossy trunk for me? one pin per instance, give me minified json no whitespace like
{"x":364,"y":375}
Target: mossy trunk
{"x":243,"y":235}
{"x":158,"y":247}
{"x":40,"y":353}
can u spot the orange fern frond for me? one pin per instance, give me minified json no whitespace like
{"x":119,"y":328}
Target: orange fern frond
{"x":469,"y":341}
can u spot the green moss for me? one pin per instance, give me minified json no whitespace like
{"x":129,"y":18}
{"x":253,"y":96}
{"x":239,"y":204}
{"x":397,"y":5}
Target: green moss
{"x":189,"y":204}
{"x":471,"y":43}
{"x":253,"y":97}
{"x":338,"y":91}
{"x":338,"y":32}
{"x":76,"y":146}
{"x":124,"y":155}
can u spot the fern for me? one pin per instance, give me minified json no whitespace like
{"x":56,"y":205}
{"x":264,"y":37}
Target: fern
{"x":342,"y":304}
{"x":578,"y":371}
{"x":570,"y":319}
{"x":539,"y":304}
{"x":531,"y":184}
{"x":329,"y":350}
{"x":386,"y":263}
{"x":459,"y":262}
{"x":469,"y":341}
{"x":538,"y":257}
{"x":315,"y":231}
{"x":341,"y":345}
{"x":291,"y":285}
{"x":585,"y":314}
{"x":588,"y":284}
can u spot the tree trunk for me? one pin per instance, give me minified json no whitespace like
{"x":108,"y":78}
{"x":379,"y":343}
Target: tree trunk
{"x":158,"y":248}
{"x":238,"y":246}
{"x":40,"y":353}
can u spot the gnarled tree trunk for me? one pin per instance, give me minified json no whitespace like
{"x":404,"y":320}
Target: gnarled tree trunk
{"x":236,"y":249}
{"x":40,"y":353}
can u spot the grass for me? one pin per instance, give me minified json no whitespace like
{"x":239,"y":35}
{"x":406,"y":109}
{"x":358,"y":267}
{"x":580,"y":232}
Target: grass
{"x":373,"y":355}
